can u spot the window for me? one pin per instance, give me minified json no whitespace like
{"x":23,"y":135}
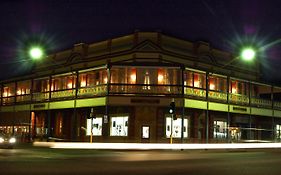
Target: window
{"x":177,"y":127}
{"x":278,"y":131}
{"x":195,"y":79}
{"x":238,"y":87}
{"x":41,"y":85}
{"x":119,"y":126}
{"x":220,"y":129}
{"x":146,"y":80}
{"x":96,"y":126}
{"x":145,"y":132}
{"x":23,"y":87}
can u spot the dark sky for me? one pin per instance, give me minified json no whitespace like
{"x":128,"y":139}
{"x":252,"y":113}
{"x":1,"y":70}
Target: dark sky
{"x":59,"y":24}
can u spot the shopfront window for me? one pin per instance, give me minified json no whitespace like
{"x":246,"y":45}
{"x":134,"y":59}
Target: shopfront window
{"x":177,"y":127}
{"x":220,"y":129}
{"x":278,"y":131}
{"x":96,"y":126}
{"x":119,"y":126}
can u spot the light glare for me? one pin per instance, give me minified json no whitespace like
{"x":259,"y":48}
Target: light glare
{"x":36,"y":53}
{"x":248,"y":54}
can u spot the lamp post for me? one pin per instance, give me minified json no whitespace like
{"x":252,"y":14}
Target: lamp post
{"x":246,"y":54}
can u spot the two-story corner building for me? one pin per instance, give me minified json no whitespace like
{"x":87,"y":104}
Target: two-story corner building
{"x":128,"y":83}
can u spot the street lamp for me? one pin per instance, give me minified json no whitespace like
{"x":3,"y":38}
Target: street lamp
{"x":36,"y":52}
{"x":248,"y":54}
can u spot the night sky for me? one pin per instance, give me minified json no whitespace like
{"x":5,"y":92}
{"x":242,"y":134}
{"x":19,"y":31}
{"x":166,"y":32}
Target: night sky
{"x":59,"y":24}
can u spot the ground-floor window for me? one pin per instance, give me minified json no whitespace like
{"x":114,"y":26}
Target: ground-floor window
{"x":96,"y":126}
{"x":278,"y":131}
{"x":177,"y":127}
{"x":119,"y":126}
{"x":145,"y":132}
{"x":220,"y":129}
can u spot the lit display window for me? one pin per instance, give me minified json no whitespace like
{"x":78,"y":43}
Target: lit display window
{"x":220,"y":129}
{"x":177,"y":127}
{"x":96,"y":125}
{"x":278,"y":131}
{"x":145,"y":132}
{"x":119,"y":126}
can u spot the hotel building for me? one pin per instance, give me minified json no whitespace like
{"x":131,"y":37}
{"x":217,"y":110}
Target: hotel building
{"x":126,"y":85}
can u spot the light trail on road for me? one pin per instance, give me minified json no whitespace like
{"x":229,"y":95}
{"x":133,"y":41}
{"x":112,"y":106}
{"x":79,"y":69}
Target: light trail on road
{"x":154,"y":146}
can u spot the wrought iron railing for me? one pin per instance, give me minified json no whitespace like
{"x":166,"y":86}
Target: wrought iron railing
{"x":92,"y":91}
{"x":145,"y":89}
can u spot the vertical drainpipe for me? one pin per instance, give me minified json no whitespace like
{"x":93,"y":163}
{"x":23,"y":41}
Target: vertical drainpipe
{"x":48,"y":109}
{"x":272,"y":108}
{"x":250,"y":105}
{"x":75,"y":128}
{"x":207,"y":111}
{"x":14,"y":106}
{"x":107,"y":100}
{"x":228,"y":108}
{"x":31,"y":98}
{"x":183,"y":104}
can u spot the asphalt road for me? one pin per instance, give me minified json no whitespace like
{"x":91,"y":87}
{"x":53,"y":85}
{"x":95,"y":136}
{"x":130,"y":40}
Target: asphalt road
{"x":33,"y":160}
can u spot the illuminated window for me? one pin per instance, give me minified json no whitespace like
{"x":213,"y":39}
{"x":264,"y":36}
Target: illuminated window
{"x":160,"y":77}
{"x":220,"y":129}
{"x":177,"y":127}
{"x":96,"y":126}
{"x":278,"y":131}
{"x":145,"y":132}
{"x":119,"y":126}
{"x":146,"y":81}
{"x":133,"y":76}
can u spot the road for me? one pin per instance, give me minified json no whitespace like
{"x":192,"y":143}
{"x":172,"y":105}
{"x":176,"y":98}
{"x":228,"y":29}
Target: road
{"x":34,"y":160}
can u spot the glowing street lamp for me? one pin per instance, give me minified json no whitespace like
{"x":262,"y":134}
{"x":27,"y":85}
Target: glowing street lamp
{"x":36,"y":53}
{"x":248,"y":54}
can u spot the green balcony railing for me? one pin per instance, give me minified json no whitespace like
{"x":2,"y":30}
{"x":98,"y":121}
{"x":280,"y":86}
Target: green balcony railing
{"x":40,"y":96}
{"x":63,"y":94}
{"x":195,"y":92}
{"x":92,"y":91}
{"x":238,"y":99}
{"x":145,"y":89}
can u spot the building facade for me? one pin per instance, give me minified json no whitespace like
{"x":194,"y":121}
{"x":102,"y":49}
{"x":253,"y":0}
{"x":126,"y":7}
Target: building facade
{"x":121,"y":89}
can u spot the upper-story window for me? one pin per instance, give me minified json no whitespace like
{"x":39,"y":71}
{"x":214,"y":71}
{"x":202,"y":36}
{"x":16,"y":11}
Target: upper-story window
{"x":63,"y":82}
{"x":23,"y":87}
{"x":9,"y":90}
{"x":146,"y":81}
{"x":238,"y":87}
{"x":147,"y":76}
{"x":195,"y":79}
{"x":93,"y":78}
{"x":217,"y":83}
{"x":41,"y":85}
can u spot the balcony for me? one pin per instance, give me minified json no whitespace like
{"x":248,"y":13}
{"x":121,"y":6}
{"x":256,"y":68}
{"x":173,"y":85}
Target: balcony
{"x":98,"y":90}
{"x":195,"y":92}
{"x":62,"y":94}
{"x":145,"y":89}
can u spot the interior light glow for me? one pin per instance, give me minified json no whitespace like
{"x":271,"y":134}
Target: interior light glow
{"x":212,"y":86}
{"x":83,"y":84}
{"x":69,"y":85}
{"x":160,"y":78}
